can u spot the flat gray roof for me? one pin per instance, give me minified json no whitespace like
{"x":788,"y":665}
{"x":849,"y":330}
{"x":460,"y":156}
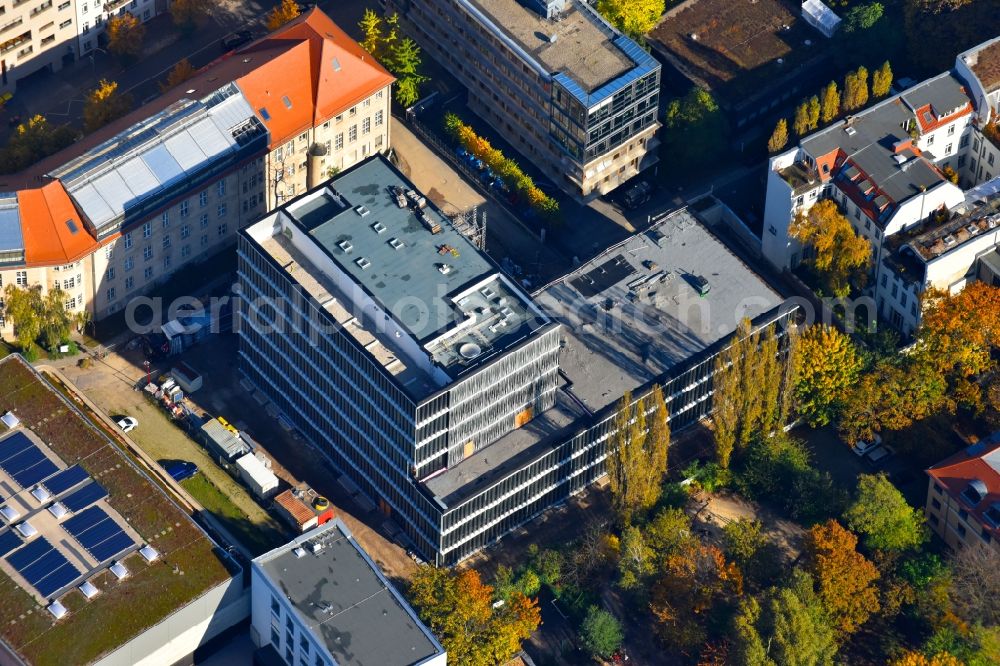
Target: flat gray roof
{"x":579,"y":43}
{"x":633,"y":313}
{"x":506,"y":454}
{"x":346,"y":601}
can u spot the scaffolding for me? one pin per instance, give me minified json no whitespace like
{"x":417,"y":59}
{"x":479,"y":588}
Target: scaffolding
{"x":471,"y":224}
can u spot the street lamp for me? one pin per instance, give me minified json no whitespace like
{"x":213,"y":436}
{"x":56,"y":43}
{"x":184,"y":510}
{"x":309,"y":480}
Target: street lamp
{"x":146,"y":365}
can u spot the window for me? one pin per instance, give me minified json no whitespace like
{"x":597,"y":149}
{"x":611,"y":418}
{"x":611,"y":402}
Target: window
{"x":147,"y":229}
{"x":961,"y":530}
{"x":902,"y":298}
{"x":204,"y":240}
{"x":275,"y":637}
{"x":184,"y":208}
{"x":936,"y":503}
{"x":166,"y":242}
{"x":989,"y":160}
{"x":129,"y":281}
{"x":961,"y":161}
{"x":185,"y":250}
{"x":895,"y":290}
{"x":964,"y":141}
{"x":913,"y":308}
{"x":930,"y":139}
{"x":951,"y":130}
{"x":938,"y":489}
{"x":21,"y":278}
{"x":352,"y":134}
{"x":147,"y":252}
{"x":129,"y":263}
{"x":986,"y":535}
{"x":221,"y":210}
{"x":366,"y":126}
{"x":963,"y":514}
{"x":166,"y":219}
{"x":275,"y":605}
{"x":379,"y":118}
{"x":111,"y":294}
{"x":109,"y":251}
{"x":202,"y":199}
{"x":185,"y":231}
{"x":128,"y":240}
{"x":353,"y":112}
{"x":166,"y":262}
{"x":204,"y":220}
{"x":71,"y":303}
{"x":339,"y":141}
{"x":223,"y":228}
{"x":339,"y":118}
{"x":772,"y":230}
{"x":947,"y":149}
{"x":111,"y":273}
{"x":148,"y":272}
{"x":884,"y":280}
{"x":222,"y":188}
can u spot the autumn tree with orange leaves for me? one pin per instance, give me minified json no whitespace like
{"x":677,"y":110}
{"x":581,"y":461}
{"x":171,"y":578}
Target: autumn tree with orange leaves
{"x":845,"y":579}
{"x":917,"y":659}
{"x":689,"y":585}
{"x":840,"y":255}
{"x":458,"y":607}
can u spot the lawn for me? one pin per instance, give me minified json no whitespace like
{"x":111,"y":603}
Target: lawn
{"x":97,"y":626}
{"x":256,"y":537}
{"x":734,"y":46}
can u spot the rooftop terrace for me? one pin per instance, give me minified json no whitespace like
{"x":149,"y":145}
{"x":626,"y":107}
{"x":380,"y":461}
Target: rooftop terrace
{"x":987,"y":67}
{"x":577,"y":43}
{"x":345,"y":601}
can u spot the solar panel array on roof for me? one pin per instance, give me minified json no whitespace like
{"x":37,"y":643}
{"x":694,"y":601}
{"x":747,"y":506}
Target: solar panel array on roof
{"x":20,"y":458}
{"x":64,"y":480}
{"x":84,"y":497}
{"x":9,"y":541}
{"x":101,"y":536}
{"x":44,"y":567}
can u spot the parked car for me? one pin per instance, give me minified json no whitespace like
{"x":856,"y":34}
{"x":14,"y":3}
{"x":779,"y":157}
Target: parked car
{"x":236,"y":40}
{"x":879,"y":456}
{"x":181,"y":469}
{"x":861,"y":447}
{"x":127,"y":423}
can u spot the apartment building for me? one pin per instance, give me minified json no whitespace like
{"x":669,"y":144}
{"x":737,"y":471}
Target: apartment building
{"x":886,"y":169}
{"x":389,"y":339}
{"x":92,"y":17}
{"x":35,"y":35}
{"x":963,"y":495}
{"x":572,"y":94}
{"x":320,"y":600}
{"x":119,"y":212}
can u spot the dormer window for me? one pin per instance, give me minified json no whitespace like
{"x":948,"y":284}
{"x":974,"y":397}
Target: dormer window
{"x":974,"y":492}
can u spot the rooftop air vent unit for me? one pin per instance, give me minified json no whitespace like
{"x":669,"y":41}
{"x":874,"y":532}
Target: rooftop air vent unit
{"x":949,"y":240}
{"x":379,"y":227}
{"x":396,"y":244}
{"x":444,"y":269}
{"x":899,"y":159}
{"x":315,"y":547}
{"x":362,"y":263}
{"x":345,"y":246}
{"x":850,"y":130}
{"x":972,"y":229}
{"x":298,"y":552}
{"x":362,"y":211}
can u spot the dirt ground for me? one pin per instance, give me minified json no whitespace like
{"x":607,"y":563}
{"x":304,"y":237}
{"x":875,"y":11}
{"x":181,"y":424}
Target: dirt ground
{"x":109,"y":383}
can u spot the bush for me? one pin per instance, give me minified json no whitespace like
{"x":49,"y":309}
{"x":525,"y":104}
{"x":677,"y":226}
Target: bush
{"x":30,"y":353}
{"x":84,"y":363}
{"x":710,"y":476}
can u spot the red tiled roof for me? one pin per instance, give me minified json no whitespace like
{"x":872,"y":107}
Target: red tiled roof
{"x":340,"y":74}
{"x":52,"y":230}
{"x":295,"y":507}
{"x":980,"y":462}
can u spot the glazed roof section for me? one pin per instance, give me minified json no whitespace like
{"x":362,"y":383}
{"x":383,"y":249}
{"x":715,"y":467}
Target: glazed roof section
{"x":870,"y":140}
{"x":345,"y":601}
{"x":161,"y":157}
{"x":585,"y":54}
{"x":11,"y":238}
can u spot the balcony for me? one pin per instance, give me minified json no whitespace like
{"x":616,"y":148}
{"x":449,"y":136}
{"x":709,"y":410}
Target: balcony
{"x":11,"y":24}
{"x":12,"y":44}
{"x":41,"y":8}
{"x":114,"y":4}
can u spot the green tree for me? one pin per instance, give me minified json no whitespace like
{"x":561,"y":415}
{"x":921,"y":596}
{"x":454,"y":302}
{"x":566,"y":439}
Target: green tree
{"x":405,"y":63}
{"x":841,"y":255}
{"x":814,"y":112}
{"x":37,"y":317}
{"x":635,"y":558}
{"x":779,"y":137}
{"x":748,"y":379}
{"x":633,"y":17}
{"x":801,"y":122}
{"x":104,"y":104}
{"x":637,"y":454}
{"x":828,"y":367}
{"x":862,"y":17}
{"x":882,"y":80}
{"x":286,"y":11}
{"x":852,"y":93}
{"x":695,"y":131}
{"x":830,"y":105}
{"x":125,"y":34}
{"x":882,"y":517}
{"x":32,"y":141}
{"x":458,"y":608}
{"x":371,"y":28}
{"x":600,"y":633}
{"x":788,"y":628}
{"x":669,"y":532}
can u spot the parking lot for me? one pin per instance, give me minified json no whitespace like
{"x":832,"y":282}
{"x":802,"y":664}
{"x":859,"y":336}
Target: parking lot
{"x":109,"y":382}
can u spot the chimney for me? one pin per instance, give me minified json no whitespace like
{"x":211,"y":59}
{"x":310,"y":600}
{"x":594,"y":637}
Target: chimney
{"x":901,"y":145}
{"x":315,"y":174}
